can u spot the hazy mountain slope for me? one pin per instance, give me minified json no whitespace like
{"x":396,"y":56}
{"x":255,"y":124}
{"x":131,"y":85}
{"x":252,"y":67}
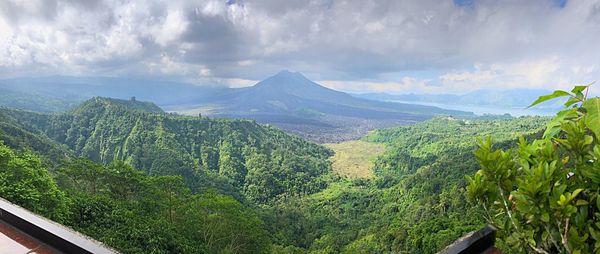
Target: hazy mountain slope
{"x":503,"y":98}
{"x":32,"y":101}
{"x":78,"y":89}
{"x":519,"y":98}
{"x":262,"y":162}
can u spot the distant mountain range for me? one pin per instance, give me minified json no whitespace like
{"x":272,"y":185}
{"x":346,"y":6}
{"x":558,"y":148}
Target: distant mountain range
{"x":499,"y":98}
{"x":288,"y":100}
{"x":292,"y":94}
{"x":299,"y":105}
{"x":67,"y":92}
{"x":15,"y":98}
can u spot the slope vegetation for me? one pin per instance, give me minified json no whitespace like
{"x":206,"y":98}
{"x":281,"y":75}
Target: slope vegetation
{"x":129,"y":210}
{"x":264,"y":161}
{"x":414,"y":202}
{"x":234,"y":186}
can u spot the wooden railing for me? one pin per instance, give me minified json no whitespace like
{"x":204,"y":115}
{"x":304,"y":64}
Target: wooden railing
{"x":481,"y":241}
{"x":59,"y":237}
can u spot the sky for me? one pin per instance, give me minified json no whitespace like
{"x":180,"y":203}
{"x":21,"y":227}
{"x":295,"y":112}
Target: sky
{"x":427,"y":46}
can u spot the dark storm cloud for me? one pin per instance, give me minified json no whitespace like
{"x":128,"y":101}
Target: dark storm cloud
{"x":214,"y":39}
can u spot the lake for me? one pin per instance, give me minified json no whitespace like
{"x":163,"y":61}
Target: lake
{"x":481,"y":110}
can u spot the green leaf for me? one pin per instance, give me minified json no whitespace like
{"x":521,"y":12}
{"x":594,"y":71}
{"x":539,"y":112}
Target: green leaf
{"x":556,"y":94}
{"x":592,"y":118}
{"x":581,"y":202}
{"x":579,"y":89}
{"x":575,"y":193}
{"x":553,"y":126}
{"x":545,"y":217}
{"x":571,"y":101}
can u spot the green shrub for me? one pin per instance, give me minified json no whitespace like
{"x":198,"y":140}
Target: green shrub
{"x":543,"y":196}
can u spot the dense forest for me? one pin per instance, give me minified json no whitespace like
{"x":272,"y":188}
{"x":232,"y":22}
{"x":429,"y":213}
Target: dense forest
{"x":145,"y":181}
{"x":130,"y":210}
{"x":543,"y":195}
{"x":261,"y":162}
{"x":415,"y":203}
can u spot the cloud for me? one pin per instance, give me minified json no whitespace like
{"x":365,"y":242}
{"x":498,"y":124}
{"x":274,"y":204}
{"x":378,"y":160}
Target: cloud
{"x":404,"y":85}
{"x":350,"y":44}
{"x":549,"y":73}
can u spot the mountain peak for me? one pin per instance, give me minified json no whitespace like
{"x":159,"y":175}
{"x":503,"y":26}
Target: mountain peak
{"x":289,"y":74}
{"x":286,"y":80}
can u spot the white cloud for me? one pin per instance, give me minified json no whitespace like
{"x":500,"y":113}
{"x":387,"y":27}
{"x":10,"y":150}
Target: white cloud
{"x":236,"y":82}
{"x":477,"y":76}
{"x":170,"y":66}
{"x":549,"y":73}
{"x":374,"y":44}
{"x":403,"y":85}
{"x":171,"y":29}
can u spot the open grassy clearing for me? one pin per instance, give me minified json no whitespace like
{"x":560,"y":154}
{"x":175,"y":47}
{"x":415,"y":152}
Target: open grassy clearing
{"x":354,"y":159}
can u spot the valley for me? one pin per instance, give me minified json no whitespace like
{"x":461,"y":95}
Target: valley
{"x":299,"y":127}
{"x":396,"y":189}
{"x":388,"y":177}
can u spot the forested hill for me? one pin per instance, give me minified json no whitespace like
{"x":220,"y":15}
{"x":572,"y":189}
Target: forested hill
{"x":414,"y":202}
{"x":102,"y":103}
{"x":260,"y":161}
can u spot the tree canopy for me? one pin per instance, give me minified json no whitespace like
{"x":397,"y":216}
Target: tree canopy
{"x":544,"y":194}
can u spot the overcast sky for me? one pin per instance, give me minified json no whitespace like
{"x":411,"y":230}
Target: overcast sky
{"x":363,"y":45}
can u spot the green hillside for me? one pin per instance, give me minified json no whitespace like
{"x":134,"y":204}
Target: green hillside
{"x":265,"y":161}
{"x":16,"y":136}
{"x":130,"y":210}
{"x":415,"y":202}
{"x":100,"y":104}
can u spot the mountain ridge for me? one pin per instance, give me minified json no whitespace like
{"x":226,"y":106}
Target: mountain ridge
{"x":298,"y":105}
{"x":296,"y":91}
